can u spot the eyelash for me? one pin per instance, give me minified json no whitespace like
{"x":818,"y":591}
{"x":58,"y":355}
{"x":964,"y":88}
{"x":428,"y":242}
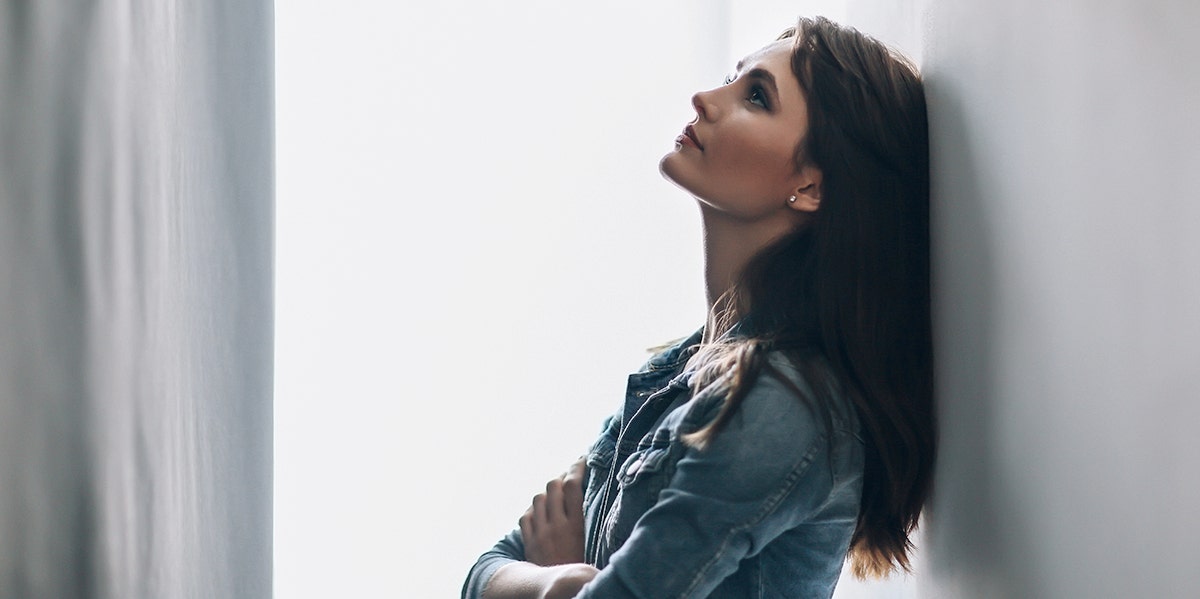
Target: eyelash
{"x":757,"y":96}
{"x":756,"y":91}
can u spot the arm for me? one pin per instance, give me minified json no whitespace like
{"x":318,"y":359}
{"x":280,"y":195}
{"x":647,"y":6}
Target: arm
{"x":510,"y":549}
{"x":523,"y":580}
{"x":725,"y":503}
{"x":543,"y":558}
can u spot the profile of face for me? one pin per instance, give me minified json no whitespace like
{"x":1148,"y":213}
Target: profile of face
{"x":738,"y":156}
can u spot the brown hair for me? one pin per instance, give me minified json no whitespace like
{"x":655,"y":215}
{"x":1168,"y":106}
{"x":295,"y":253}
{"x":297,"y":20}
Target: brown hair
{"x":846,"y":297}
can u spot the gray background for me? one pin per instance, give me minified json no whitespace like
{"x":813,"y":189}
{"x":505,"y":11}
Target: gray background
{"x":1066,"y":159}
{"x":135,"y":299}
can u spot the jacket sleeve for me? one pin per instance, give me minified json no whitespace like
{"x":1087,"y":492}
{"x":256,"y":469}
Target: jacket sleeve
{"x":510,"y":549}
{"x":722,"y":504}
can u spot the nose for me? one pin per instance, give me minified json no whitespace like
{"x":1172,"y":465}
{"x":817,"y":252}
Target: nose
{"x":703,"y":103}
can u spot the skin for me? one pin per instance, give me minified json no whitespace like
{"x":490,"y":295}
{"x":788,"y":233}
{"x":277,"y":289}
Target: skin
{"x":552,"y":529}
{"x":742,"y":174}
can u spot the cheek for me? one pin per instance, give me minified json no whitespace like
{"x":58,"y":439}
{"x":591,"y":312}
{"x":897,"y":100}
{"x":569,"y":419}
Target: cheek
{"x":757,"y":160}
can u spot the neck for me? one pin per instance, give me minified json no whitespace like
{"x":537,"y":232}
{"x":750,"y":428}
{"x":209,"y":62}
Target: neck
{"x":729,"y":245}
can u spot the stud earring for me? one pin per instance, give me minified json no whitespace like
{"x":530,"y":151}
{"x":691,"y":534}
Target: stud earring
{"x":792,"y":200}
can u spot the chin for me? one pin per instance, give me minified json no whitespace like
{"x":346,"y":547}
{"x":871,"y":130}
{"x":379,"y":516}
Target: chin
{"x":677,"y":176}
{"x":668,"y":169}
{"x":664,"y":168}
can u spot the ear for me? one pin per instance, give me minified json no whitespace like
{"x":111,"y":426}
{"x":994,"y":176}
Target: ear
{"x":807,"y":190}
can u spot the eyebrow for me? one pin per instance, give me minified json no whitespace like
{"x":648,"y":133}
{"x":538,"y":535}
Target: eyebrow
{"x":762,"y":75}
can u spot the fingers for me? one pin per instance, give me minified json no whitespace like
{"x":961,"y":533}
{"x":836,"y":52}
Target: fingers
{"x":572,"y":491}
{"x":577,"y":471}
{"x":556,"y":511}
{"x":547,"y":509}
{"x":561,"y":503}
{"x":552,"y":526}
{"x":526,"y":523}
{"x":540,"y":518}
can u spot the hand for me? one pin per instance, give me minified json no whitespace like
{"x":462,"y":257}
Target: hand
{"x":552,"y":527}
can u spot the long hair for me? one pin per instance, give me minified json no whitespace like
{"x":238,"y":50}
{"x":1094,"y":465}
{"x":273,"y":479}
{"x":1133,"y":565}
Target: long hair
{"x":847,"y":294}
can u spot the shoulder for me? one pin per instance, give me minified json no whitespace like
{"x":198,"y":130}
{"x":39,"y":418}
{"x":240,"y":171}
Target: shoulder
{"x":781,"y":428}
{"x":798,"y":402}
{"x":814,"y":384}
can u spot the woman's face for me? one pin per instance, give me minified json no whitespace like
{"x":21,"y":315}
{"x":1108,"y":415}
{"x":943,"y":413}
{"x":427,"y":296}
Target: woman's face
{"x":738,"y":155}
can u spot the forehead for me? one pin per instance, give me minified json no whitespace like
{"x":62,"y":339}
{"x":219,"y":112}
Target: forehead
{"x":775,"y":57}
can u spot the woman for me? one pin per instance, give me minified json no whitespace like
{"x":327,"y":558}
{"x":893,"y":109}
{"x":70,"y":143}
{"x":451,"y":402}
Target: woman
{"x":796,"y":427}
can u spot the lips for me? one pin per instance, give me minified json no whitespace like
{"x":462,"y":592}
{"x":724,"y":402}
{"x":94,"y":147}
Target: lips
{"x":691,"y":134}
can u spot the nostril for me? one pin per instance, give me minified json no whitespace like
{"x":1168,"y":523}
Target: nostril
{"x":698,"y":104}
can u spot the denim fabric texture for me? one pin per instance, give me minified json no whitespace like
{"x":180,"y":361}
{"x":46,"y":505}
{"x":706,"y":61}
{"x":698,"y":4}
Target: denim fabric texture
{"x":766,"y":510}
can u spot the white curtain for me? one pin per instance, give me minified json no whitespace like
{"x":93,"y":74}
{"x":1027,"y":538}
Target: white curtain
{"x":135,"y":298}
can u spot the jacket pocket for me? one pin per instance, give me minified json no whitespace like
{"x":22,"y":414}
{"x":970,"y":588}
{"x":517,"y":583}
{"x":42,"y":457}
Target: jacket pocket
{"x":643,"y":465}
{"x":641,"y":477}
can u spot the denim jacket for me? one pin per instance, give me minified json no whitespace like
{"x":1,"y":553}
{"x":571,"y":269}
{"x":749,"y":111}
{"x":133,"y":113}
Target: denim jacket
{"x":767,"y":509}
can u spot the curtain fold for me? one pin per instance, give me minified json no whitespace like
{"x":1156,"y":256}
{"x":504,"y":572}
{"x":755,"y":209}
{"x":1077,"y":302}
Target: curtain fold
{"x":136,"y":209}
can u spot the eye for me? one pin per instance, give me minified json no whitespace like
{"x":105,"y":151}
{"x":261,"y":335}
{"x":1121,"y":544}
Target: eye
{"x":729,"y":78}
{"x":758,"y":96}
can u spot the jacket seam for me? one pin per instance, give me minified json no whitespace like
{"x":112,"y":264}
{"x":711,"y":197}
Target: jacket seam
{"x":769,"y":505}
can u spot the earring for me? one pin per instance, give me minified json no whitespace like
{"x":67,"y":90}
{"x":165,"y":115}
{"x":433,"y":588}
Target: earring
{"x":792,"y":200}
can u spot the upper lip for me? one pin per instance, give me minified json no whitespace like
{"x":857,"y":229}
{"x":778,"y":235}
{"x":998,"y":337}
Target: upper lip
{"x":691,"y":133}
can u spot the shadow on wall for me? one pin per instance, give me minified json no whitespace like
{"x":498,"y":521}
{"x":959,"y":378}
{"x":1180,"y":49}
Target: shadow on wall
{"x":967,"y":537}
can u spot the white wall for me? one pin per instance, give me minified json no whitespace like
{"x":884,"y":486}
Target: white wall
{"x":474,"y":249}
{"x":135,"y":299}
{"x":1066,"y":165}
